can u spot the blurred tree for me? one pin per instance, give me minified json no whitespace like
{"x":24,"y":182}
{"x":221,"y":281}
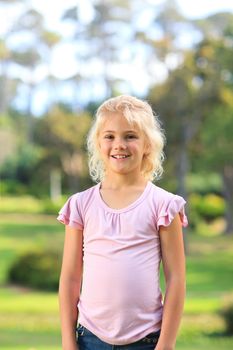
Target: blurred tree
{"x":29,"y":59}
{"x":4,"y":80}
{"x":214,"y":26}
{"x":169,"y":19}
{"x":178,"y":103}
{"x":49,"y":41}
{"x":217,"y":143}
{"x":28,"y":45}
{"x":214,"y":60}
{"x":63,"y":136}
{"x":189,"y":98}
{"x":100,"y":40}
{"x":28,"y":56}
{"x":29,"y":20}
{"x":8,"y":85}
{"x":164,"y":46}
{"x":8,"y":139}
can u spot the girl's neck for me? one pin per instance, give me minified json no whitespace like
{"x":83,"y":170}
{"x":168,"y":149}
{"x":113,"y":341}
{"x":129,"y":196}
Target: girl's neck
{"x":117,"y":183}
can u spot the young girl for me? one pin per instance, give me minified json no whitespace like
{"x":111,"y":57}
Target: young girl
{"x":117,"y":232}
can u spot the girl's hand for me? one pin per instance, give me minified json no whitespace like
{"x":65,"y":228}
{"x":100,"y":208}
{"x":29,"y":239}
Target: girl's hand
{"x":71,"y":347}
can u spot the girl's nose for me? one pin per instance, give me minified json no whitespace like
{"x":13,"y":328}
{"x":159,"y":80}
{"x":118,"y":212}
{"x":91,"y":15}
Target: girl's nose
{"x":119,"y":144}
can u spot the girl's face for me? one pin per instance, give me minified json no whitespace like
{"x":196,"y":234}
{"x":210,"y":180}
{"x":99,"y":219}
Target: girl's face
{"x":122,"y":146}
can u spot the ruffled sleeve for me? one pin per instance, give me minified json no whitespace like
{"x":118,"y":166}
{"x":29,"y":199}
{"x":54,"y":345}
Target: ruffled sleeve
{"x":168,"y":210}
{"x":70,"y":214}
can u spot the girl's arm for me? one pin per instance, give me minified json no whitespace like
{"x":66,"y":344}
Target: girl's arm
{"x":173,"y":259}
{"x":69,"y":286}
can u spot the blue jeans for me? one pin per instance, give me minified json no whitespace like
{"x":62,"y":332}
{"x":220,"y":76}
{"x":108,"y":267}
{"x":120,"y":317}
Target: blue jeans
{"x":86,"y":340}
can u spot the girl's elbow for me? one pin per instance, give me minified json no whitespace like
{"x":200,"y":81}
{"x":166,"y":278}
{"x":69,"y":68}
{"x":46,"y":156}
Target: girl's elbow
{"x":176,"y":282}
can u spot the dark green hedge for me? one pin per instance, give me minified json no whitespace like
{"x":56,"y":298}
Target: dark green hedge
{"x":227,"y":314}
{"x":37,"y":269}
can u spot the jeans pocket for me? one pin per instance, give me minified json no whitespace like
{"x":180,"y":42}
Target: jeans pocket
{"x":80,"y":331}
{"x":151,"y":338}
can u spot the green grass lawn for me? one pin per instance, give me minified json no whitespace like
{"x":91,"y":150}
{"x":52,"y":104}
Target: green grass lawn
{"x":29,"y":319}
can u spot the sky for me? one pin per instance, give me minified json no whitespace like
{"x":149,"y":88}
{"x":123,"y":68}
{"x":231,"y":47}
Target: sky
{"x":202,"y":8}
{"x":190,"y":8}
{"x":52,"y":12}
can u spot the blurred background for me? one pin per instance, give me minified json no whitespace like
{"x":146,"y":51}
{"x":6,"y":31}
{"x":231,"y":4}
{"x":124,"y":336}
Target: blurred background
{"x":58,"y":62}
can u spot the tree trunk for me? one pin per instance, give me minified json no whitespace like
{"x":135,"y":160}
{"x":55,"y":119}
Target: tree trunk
{"x":182,"y":168}
{"x":227,"y":176}
{"x":72,"y":164}
{"x":4,"y":87}
{"x":55,"y":185}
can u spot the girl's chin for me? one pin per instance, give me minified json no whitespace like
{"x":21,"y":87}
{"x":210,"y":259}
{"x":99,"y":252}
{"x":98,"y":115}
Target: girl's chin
{"x":122,"y":170}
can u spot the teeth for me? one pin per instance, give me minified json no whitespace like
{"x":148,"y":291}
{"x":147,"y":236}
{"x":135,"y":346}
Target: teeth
{"x":120,"y":157}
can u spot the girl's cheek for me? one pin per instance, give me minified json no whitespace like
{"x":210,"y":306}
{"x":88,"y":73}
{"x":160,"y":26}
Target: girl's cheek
{"x":104,"y":147}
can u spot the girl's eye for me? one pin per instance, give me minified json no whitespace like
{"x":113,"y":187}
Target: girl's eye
{"x":127,"y":137}
{"x":131,"y":136}
{"x":109,"y":137}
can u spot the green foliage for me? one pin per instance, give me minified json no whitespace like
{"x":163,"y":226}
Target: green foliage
{"x":211,"y":228}
{"x":12,"y":187}
{"x":36,"y":269}
{"x":204,"y":183}
{"x":23,"y":204}
{"x":28,"y":204}
{"x":209,"y":206}
{"x":63,"y":132}
{"x":206,"y":213}
{"x":217,"y":132}
{"x":49,"y":207}
{"x":62,"y":136}
{"x":21,"y":165}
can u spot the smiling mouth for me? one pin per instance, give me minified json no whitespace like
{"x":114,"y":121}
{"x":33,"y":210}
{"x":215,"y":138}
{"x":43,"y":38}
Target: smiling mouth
{"x":120,"y":156}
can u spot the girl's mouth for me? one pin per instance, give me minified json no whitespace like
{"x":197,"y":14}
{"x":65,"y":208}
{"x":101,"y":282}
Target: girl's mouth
{"x":120,"y":156}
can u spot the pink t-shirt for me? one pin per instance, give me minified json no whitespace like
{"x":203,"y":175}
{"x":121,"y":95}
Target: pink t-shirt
{"x":121,"y":301}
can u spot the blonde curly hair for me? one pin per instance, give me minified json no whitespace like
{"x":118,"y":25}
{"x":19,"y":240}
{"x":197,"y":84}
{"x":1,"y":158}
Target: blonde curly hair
{"x":140,"y":114}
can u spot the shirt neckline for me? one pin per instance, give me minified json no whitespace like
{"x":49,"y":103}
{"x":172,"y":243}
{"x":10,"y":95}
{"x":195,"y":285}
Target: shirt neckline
{"x":128,"y":207}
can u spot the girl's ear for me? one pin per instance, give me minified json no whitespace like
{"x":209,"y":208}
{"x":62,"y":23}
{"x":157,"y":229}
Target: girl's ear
{"x":147,"y":148}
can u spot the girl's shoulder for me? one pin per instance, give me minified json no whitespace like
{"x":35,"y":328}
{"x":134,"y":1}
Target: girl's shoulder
{"x":85,"y":193}
{"x":84,"y":197}
{"x":161,"y":193}
{"x":166,"y":204}
{"x":72,"y":211}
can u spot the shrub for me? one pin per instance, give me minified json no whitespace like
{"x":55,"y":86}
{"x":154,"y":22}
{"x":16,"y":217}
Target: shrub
{"x":23,"y":204}
{"x":13,"y":187}
{"x":37,"y":269}
{"x":227,"y":314}
{"x":204,"y":183}
{"x":49,"y":207}
{"x":30,"y":205}
{"x":210,"y":206}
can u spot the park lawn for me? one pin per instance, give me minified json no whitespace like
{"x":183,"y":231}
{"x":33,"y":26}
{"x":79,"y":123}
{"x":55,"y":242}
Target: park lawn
{"x":29,"y":319}
{"x":20,"y":233}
